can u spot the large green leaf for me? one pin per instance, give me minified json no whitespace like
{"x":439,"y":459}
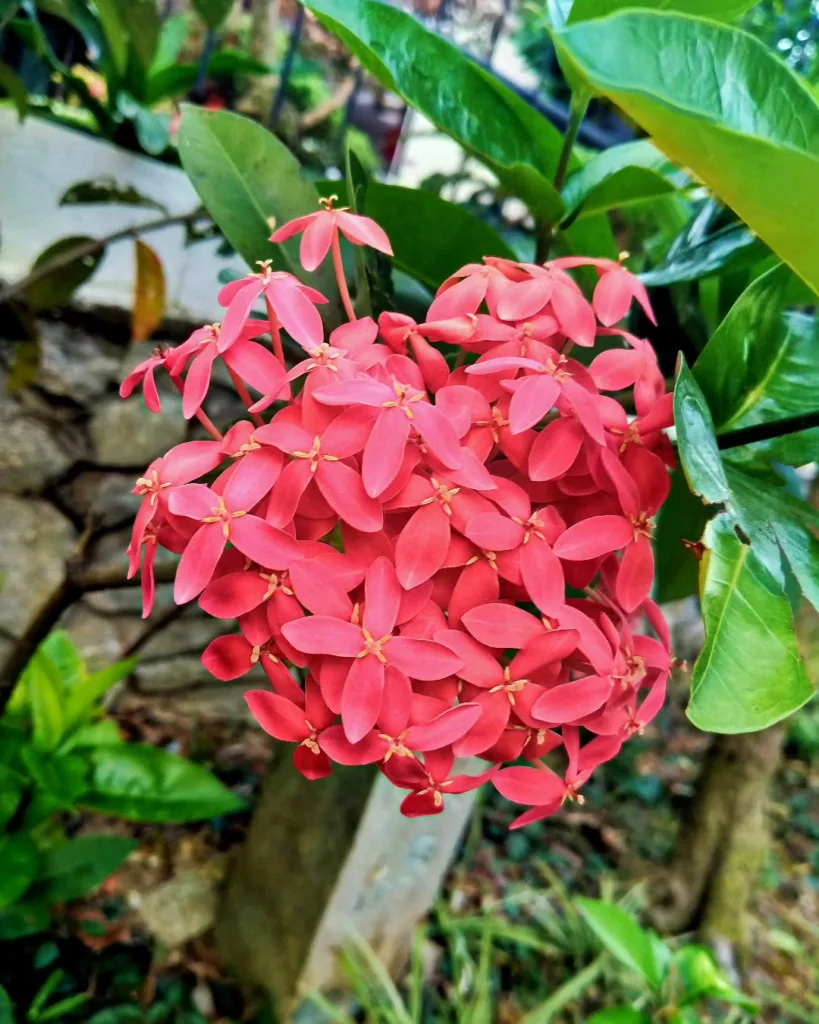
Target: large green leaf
{"x":761,"y":363}
{"x":699,"y":453}
{"x":622,"y":937}
{"x":141,"y":21}
{"x":681,"y":519}
{"x":732,"y":248}
{"x":750,"y":673}
{"x":623,"y":175}
{"x":70,"y":869}
{"x":755,"y":143}
{"x":718,"y":10}
{"x":18,"y":866}
{"x":147,"y":784}
{"x":460,"y":98}
{"x":248,"y":180}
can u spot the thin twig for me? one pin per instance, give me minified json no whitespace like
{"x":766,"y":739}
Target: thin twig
{"x":93,"y":246}
{"x":767,"y":431}
{"x":545,"y":235}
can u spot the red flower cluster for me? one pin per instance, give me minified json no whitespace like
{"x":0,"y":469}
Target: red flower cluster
{"x":431,"y":557}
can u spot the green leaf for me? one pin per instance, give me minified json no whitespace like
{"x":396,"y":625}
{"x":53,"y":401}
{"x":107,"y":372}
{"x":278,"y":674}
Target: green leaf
{"x":622,"y":937}
{"x":15,"y":88}
{"x":760,"y":365}
{"x":25,"y":918}
{"x":140,"y":19}
{"x":682,"y":518}
{"x":8,"y":8}
{"x":619,"y":1015}
{"x":106,"y":190}
{"x":247,"y":180}
{"x":143,"y":783}
{"x":70,"y":869}
{"x":488,"y":119}
{"x":172,"y":37}
{"x":6,"y":1005}
{"x":18,"y":866}
{"x":696,"y":442}
{"x":11,"y":793}
{"x":702,"y":977}
{"x":717,"y":10}
{"x":116,"y":36}
{"x":99,"y":734}
{"x":623,"y":175}
{"x":61,"y":777}
{"x":67,"y":666}
{"x":82,"y":702}
{"x":750,"y":673}
{"x":46,"y":697}
{"x":56,"y":288}
{"x":213,"y":12}
{"x":754,"y":145}
{"x":732,"y":248}
{"x":125,"y":1014}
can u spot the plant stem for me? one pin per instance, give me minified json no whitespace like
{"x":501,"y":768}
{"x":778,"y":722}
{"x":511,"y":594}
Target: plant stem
{"x":342,"y":280}
{"x":94,"y":246}
{"x":275,"y":332}
{"x":200,"y":414}
{"x":244,"y":394}
{"x":546,"y":234}
{"x":767,"y":431}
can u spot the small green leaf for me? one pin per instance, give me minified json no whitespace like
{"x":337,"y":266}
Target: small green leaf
{"x":623,"y":175}
{"x":717,"y":10}
{"x":248,"y":180}
{"x":622,"y":937}
{"x":696,"y":441}
{"x":143,"y":783}
{"x":57,"y":287}
{"x":67,"y":666}
{"x":486,"y":117}
{"x":106,"y":190}
{"x":82,"y":701}
{"x":702,"y":977}
{"x":70,"y":869}
{"x":18,"y":866}
{"x":212,"y":12}
{"x":619,"y":1015}
{"x":753,"y":144}
{"x":46,"y":705}
{"x":15,"y":88}
{"x":99,"y":734}
{"x":750,"y":673}
{"x":172,"y":37}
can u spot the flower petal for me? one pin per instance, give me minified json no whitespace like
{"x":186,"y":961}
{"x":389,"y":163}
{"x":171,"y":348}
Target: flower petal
{"x":277,"y":716}
{"x":591,"y":538}
{"x":361,"y":700}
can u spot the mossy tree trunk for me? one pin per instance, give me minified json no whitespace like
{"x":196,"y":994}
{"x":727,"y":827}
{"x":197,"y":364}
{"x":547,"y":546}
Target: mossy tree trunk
{"x":722,"y":844}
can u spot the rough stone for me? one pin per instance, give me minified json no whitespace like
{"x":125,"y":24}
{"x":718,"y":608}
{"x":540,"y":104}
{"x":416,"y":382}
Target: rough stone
{"x":171,"y":674}
{"x":35,"y":542}
{"x":126,"y":433}
{"x":184,"y":907}
{"x":128,"y":600}
{"x":76,"y":364}
{"x":192,"y":633}
{"x":30,"y":455}
{"x":104,"y":498}
{"x":97,"y":638}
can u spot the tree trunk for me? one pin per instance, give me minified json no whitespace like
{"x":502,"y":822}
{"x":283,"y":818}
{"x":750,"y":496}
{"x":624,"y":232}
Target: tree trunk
{"x":721,"y":845}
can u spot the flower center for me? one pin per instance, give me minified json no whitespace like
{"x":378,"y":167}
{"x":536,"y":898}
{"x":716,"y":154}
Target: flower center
{"x":150,"y":484}
{"x":373,"y":646}
{"x":315,"y":455}
{"x":223,"y":515}
{"x":642,"y":524}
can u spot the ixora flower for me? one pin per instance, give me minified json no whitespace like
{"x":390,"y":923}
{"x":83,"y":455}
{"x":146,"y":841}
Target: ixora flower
{"x":439,"y":546}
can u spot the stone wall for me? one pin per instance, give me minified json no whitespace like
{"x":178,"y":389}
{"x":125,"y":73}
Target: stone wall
{"x":70,"y":450}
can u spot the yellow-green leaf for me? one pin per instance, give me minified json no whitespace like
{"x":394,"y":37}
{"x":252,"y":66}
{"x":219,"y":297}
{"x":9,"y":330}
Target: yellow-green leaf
{"x":149,"y":293}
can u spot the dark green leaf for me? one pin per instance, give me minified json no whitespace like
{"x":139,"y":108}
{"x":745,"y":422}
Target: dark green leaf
{"x":143,"y":783}
{"x":225,"y":63}
{"x":622,"y":937}
{"x":176,"y":80}
{"x":59,"y":776}
{"x":106,"y":190}
{"x":70,"y":869}
{"x":682,"y":518}
{"x":15,"y":88}
{"x":116,"y":36}
{"x":46,"y":955}
{"x":732,"y":248}
{"x":18,"y":866}
{"x":248,"y":180}
{"x":140,"y":18}
{"x":126,"y":1014}
{"x":25,"y":918}
{"x":467,"y":103}
{"x":761,"y":363}
{"x":357,"y":182}
{"x":623,"y":175}
{"x":750,"y":673}
{"x":213,"y":12}
{"x":8,"y":8}
{"x":756,"y":145}
{"x":697,"y":444}
{"x":56,"y":288}
{"x":11,"y":793}
{"x":6,"y":1005}
{"x":83,"y":701}
{"x":717,"y":10}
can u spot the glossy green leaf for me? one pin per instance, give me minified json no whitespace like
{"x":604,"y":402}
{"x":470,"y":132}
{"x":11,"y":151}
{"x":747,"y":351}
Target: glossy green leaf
{"x":104,"y":733}
{"x":141,"y":21}
{"x":248,"y":180}
{"x":681,"y":519}
{"x":83,"y":701}
{"x":761,"y":364}
{"x":71,"y":869}
{"x":619,"y":1015}
{"x":67,"y":666}
{"x":14,"y":87}
{"x":468,"y":103}
{"x":623,"y":175}
{"x":797,"y":449}
{"x":116,"y":36}
{"x":622,"y":937}
{"x":59,"y":776}
{"x":756,"y":145}
{"x":213,"y":12}
{"x":45,"y":697}
{"x":750,"y":673}
{"x":106,"y":190}
{"x":730,"y":249}
{"x":56,"y":288}
{"x":18,"y":866}
{"x":696,"y":442}
{"x":717,"y":10}
{"x":143,"y":783}
{"x":702,"y":977}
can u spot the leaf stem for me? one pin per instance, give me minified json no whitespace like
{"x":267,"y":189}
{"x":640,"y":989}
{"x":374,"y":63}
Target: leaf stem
{"x":338,"y":266}
{"x":275,"y":331}
{"x":546,"y":234}
{"x":767,"y":431}
{"x":244,"y":394}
